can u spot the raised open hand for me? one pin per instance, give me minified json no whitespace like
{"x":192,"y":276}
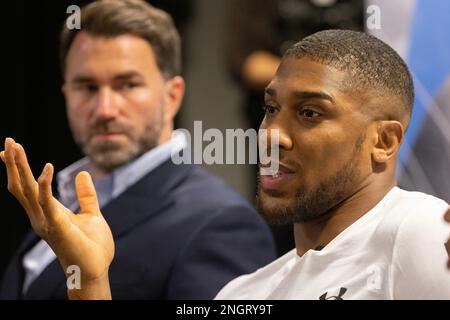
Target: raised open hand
{"x":82,"y":239}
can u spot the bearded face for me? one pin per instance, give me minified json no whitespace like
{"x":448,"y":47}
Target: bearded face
{"x":321,"y":146}
{"x":115,"y":96}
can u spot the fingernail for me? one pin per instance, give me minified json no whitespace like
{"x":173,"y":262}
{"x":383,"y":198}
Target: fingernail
{"x":48,"y":167}
{"x":9,"y":142}
{"x":9,"y":146}
{"x":44,"y":173}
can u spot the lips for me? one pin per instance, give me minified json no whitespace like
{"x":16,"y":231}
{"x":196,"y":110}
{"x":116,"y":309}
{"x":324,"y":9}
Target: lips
{"x":277,"y":179}
{"x":282,"y":169}
{"x":108,"y":136}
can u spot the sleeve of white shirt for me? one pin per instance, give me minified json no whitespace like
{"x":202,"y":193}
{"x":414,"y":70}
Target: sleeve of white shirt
{"x":419,"y":262}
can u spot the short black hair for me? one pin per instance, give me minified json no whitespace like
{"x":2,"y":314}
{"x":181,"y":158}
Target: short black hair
{"x":370,"y":62}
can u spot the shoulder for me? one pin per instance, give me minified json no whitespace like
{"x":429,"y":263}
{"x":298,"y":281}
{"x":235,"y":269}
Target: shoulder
{"x":417,"y":199}
{"x":205,"y":191}
{"x":421,"y":227}
{"x":416,"y":213}
{"x":419,"y":256}
{"x":210,"y":209}
{"x":413,"y":220}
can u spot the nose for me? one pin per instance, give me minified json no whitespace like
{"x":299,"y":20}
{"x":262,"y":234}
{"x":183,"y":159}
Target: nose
{"x":278,"y":135}
{"x":106,"y":108}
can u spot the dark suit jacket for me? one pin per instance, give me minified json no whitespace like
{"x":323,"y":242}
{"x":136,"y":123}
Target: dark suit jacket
{"x":180,"y":233}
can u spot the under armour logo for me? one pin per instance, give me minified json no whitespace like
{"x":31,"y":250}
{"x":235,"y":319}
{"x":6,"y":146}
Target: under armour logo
{"x":338,"y":297}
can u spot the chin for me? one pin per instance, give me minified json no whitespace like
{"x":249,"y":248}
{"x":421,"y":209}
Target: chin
{"x":111,"y":157}
{"x":276,"y":210}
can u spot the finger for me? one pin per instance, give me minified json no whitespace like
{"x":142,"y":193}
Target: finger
{"x":87,"y":196}
{"x":2,"y":156}
{"x":28,"y":183}
{"x":11,"y":171}
{"x":447,"y":216}
{"x":46,"y":199}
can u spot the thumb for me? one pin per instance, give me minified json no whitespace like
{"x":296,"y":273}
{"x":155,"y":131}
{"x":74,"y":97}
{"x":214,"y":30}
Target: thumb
{"x":87,"y":196}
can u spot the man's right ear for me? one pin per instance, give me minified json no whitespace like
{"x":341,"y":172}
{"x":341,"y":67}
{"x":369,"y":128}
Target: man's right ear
{"x":174,"y":93}
{"x":389,"y":137}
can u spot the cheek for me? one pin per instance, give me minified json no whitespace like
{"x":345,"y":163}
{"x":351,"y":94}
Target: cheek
{"x":314,"y":148}
{"x":144,"y":103}
{"x":141,"y":115}
{"x":79,"y":110}
{"x":76,"y":119}
{"x":321,"y":155}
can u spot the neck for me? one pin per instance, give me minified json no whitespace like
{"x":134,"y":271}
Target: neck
{"x":318,"y":233}
{"x":98,"y":173}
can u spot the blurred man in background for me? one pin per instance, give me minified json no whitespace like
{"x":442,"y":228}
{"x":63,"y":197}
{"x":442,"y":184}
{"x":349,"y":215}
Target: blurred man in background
{"x":185,"y":233}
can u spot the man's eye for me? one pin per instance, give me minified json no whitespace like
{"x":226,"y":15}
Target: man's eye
{"x":308,"y":113}
{"x":130,"y":85}
{"x":87,"y":87}
{"x":269,"y":109}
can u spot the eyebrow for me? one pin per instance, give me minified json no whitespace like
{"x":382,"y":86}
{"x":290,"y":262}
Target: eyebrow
{"x":127,"y":75}
{"x":121,"y":76}
{"x":303,"y":94}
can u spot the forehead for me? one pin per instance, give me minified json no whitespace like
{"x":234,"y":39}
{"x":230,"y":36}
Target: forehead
{"x":305,"y":75}
{"x":89,"y":53}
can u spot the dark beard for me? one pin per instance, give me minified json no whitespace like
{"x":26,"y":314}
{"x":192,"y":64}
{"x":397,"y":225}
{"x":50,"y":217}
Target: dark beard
{"x":314,"y":204}
{"x":108,"y":156}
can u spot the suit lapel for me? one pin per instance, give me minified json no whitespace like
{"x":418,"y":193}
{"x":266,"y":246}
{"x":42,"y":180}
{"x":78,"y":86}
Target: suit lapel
{"x":146,"y":198}
{"x":30,"y":240}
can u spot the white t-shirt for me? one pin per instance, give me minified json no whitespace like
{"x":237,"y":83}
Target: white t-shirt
{"x":395,"y":251}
